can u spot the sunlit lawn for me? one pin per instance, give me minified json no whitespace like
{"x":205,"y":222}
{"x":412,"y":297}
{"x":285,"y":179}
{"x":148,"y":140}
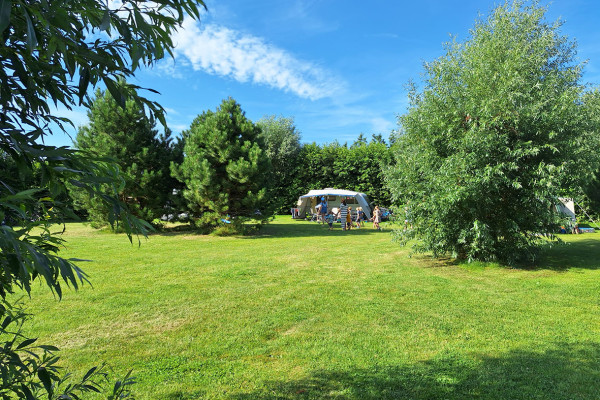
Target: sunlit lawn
{"x":301,"y":312}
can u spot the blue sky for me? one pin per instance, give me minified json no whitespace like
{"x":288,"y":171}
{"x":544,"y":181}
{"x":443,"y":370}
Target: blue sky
{"x":339,"y":68}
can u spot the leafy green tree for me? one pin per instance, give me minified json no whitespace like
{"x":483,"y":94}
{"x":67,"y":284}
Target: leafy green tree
{"x":14,"y":177}
{"x":497,"y":134}
{"x":53,"y":51}
{"x":309,"y":161}
{"x":127,"y":136}
{"x":225,"y":168}
{"x":589,"y":198}
{"x":282,"y":147}
{"x":360,"y":168}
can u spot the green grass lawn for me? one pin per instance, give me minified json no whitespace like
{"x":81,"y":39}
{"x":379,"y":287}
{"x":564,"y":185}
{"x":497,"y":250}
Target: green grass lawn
{"x":298,"y":312}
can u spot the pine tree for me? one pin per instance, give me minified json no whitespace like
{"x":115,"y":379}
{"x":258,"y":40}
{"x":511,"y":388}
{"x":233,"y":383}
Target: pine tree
{"x":128,"y":137}
{"x":224,"y":168}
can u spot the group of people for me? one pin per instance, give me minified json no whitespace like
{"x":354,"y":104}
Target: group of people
{"x":344,"y":214}
{"x":573,"y":227}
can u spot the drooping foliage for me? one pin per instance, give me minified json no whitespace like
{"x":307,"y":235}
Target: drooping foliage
{"x":588,"y":202}
{"x":129,"y":137}
{"x":52,"y":52}
{"x":225,"y":168}
{"x":496,"y":135}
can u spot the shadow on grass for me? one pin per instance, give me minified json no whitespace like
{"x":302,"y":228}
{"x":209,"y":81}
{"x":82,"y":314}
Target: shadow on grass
{"x":180,"y":395}
{"x":580,"y":254}
{"x":567,"y":372}
{"x":280,"y":230}
{"x":309,"y":229}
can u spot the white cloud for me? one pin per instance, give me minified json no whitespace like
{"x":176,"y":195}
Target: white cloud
{"x":382,"y":125}
{"x":344,"y":122}
{"x":171,"y":111}
{"x":221,"y":51}
{"x":178,"y":128}
{"x":77,"y":115}
{"x":167,"y":66}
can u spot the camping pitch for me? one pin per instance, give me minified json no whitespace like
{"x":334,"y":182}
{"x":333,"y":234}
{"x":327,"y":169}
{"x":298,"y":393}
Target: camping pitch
{"x":307,"y":203}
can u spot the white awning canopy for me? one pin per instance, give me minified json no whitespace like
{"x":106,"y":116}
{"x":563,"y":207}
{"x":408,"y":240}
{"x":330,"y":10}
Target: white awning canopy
{"x":332,"y":192}
{"x":306,"y":205}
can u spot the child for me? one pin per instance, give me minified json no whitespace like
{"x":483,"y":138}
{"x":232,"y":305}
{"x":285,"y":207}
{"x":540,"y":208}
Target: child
{"x":349,"y":219}
{"x":329,"y":218}
{"x":359,"y":217}
{"x":376,"y":218}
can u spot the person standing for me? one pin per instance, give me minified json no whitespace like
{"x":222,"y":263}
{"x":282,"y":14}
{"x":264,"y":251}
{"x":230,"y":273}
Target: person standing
{"x":343,"y":213}
{"x":349,"y":219}
{"x":376,"y":218}
{"x":323,"y":210}
{"x":317,"y":213}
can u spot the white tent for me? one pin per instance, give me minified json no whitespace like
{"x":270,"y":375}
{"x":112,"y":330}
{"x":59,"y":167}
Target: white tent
{"x":307,"y":203}
{"x":567,"y":207}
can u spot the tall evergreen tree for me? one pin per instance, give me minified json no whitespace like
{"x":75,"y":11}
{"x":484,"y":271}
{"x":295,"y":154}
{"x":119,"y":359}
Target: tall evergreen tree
{"x":128,"y":137}
{"x":225,"y":168}
{"x":360,"y":141}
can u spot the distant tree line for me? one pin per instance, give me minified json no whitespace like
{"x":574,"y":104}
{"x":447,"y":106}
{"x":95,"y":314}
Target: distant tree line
{"x":298,"y":168}
{"x":225,"y":170}
{"x":357,"y":167}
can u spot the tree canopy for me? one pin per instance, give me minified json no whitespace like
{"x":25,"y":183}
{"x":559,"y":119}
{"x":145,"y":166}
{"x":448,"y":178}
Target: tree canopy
{"x":282,"y":147}
{"x":224,"y":168}
{"x":500,"y":130}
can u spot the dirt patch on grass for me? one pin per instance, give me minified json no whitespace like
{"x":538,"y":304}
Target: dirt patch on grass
{"x":291,"y":331}
{"x":116,"y":330}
